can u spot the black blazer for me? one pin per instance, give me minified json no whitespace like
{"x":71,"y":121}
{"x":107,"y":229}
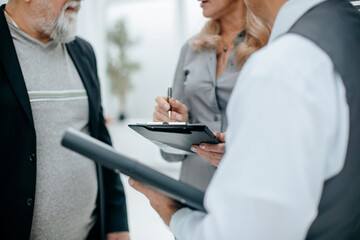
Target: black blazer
{"x":18,"y":144}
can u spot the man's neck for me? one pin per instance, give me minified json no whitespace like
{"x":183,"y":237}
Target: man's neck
{"x":21,"y":22}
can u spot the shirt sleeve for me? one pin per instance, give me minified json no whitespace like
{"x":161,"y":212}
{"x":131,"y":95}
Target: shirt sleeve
{"x":282,"y":136}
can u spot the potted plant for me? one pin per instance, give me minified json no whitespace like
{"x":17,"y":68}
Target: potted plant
{"x":119,"y":67}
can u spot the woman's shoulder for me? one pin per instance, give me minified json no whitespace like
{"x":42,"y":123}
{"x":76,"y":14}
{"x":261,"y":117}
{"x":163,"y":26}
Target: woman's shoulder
{"x":188,"y":48}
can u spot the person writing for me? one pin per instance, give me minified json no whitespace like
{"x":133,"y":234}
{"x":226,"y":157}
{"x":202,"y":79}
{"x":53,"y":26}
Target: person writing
{"x":291,"y":168}
{"x":207,"y":70}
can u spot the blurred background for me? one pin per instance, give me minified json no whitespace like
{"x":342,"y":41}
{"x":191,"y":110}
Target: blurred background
{"x":157,"y":30}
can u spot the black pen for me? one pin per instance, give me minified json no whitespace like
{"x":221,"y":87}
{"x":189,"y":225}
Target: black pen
{"x":169,"y":96}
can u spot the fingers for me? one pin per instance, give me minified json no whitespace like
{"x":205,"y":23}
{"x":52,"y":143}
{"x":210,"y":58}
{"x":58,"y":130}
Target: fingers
{"x":161,"y":110}
{"x":211,"y":152}
{"x":209,"y":155}
{"x":163,"y":205}
{"x":178,"y":117}
{"x":215,"y":148}
{"x":178,"y":106}
{"x":220,"y":136}
{"x":140,"y":187}
{"x":213,"y":157}
{"x":160,"y":115}
{"x":136,"y":185}
{"x":118,"y":236}
{"x":162,"y":102}
{"x":149,"y":192}
{"x":179,"y":111}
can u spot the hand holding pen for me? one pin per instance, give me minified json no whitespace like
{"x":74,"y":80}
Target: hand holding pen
{"x":169,"y":96}
{"x":179,"y":111}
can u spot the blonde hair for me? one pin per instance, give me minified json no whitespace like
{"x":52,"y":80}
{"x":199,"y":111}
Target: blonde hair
{"x":256,"y":36}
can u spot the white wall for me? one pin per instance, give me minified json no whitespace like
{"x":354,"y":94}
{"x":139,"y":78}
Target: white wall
{"x":161,"y":29}
{"x":91,"y":28}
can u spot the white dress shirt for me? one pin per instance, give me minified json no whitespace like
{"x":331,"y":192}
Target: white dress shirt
{"x":287,"y":134}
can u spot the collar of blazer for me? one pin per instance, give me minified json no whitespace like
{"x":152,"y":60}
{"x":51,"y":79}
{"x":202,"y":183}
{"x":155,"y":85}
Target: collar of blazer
{"x":211,"y":63}
{"x":11,"y":65}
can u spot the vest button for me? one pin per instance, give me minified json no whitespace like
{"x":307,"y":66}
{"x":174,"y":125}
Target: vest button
{"x":29,"y":202}
{"x":216,"y":118}
{"x":32,"y":157}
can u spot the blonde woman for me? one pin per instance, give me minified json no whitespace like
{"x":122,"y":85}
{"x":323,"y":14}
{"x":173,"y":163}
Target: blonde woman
{"x":207,"y":70}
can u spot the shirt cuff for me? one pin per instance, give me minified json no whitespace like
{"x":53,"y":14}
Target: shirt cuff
{"x":181,"y":221}
{"x":176,"y":219}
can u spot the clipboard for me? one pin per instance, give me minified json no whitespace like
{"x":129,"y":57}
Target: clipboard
{"x":106,"y":156}
{"x":175,"y":137}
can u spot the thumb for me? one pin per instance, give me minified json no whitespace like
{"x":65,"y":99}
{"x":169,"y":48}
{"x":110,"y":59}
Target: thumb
{"x":220,"y":136}
{"x":138,"y":186}
{"x":178,"y":106}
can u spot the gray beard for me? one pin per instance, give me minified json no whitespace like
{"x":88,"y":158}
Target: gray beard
{"x":65,"y":28}
{"x":62,"y":29}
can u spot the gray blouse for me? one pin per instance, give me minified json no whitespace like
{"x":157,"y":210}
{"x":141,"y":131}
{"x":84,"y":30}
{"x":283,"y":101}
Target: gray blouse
{"x":206,"y":97}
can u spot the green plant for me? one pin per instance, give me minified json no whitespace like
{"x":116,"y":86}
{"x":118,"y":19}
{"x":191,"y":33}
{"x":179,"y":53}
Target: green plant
{"x":119,"y":67}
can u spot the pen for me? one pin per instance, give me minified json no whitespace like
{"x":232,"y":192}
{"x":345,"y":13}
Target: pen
{"x":169,"y":96}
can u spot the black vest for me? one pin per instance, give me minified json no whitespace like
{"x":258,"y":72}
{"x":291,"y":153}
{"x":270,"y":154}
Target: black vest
{"x":334,"y":26}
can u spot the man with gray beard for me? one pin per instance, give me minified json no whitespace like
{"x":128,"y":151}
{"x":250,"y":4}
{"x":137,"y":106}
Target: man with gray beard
{"x":48,"y":83}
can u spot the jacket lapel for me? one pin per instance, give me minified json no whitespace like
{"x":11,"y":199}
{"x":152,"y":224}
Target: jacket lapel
{"x":10,"y":62}
{"x":80,"y":64}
